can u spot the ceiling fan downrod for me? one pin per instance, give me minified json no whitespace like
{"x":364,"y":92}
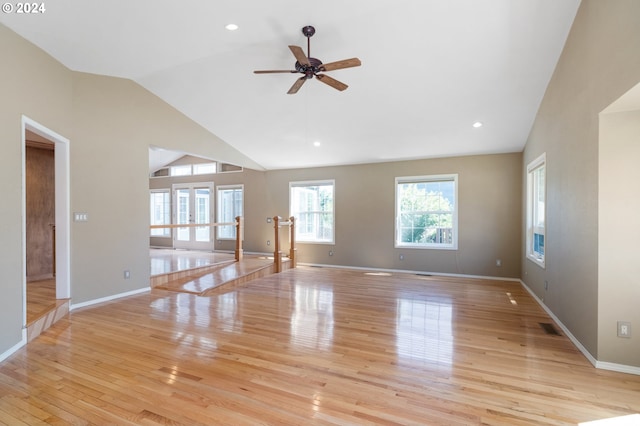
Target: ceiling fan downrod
{"x":308,"y":32}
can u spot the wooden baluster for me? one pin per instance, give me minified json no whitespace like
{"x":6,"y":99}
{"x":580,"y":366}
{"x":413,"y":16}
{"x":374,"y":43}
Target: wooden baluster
{"x":292,"y":240}
{"x":239,"y":235}
{"x":277,"y":255}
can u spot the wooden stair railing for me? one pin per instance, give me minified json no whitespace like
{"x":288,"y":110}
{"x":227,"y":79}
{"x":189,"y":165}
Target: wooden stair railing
{"x":239,"y":224}
{"x":239,"y":235}
{"x":277,"y":253}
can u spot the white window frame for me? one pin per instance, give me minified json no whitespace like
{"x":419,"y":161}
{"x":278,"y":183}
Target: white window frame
{"x":454,"y":226}
{"x":166,"y":232}
{"x":303,"y":237}
{"x":219,"y":206}
{"x":533,"y":210}
{"x":180,"y":170}
{"x":204,"y":168}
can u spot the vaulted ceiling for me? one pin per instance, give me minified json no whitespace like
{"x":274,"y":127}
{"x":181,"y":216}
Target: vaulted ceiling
{"x":430,"y":69}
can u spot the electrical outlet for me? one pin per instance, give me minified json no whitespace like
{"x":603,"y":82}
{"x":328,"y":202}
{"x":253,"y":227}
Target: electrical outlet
{"x":127,"y":274}
{"x":498,"y":262}
{"x":268,"y":242}
{"x":401,"y":257}
{"x":330,"y":252}
{"x":624,"y":329}
{"x":546,"y":285}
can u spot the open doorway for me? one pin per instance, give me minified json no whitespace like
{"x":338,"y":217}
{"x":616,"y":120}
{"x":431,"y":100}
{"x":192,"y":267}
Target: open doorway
{"x":45,"y":226}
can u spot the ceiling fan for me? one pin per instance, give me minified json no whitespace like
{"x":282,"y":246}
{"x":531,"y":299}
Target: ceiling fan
{"x":311,"y":67}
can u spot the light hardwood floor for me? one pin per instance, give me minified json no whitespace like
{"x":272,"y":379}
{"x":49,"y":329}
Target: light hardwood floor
{"x":41,"y":297}
{"x":313,"y":346}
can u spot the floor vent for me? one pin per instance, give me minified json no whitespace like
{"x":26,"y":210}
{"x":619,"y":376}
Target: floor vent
{"x":424,"y":275}
{"x":549,"y":328}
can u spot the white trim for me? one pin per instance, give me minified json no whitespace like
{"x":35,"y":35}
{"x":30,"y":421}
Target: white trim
{"x":539,"y":161}
{"x":320,"y":182}
{"x":428,"y":178}
{"x":62,"y":209}
{"x":168,"y":192}
{"x":407,"y":271}
{"x":109,"y":298}
{"x":621,"y":368}
{"x":219,"y":188}
{"x":192,"y":244}
{"x":566,"y":331}
{"x":6,"y":354}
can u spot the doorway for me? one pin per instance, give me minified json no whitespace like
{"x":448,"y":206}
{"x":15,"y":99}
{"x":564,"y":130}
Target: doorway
{"x":56,"y":225}
{"x":192,"y":205}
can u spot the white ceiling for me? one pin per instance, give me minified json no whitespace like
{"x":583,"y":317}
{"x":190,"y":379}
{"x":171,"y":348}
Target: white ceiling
{"x":430,"y":69}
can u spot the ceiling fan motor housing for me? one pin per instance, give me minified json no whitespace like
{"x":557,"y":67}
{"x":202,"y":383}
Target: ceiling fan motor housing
{"x":309,"y":71}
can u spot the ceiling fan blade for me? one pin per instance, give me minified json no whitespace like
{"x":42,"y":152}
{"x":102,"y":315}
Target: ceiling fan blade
{"x":300,"y":56}
{"x":345,"y":63}
{"x":297,"y":85}
{"x":331,"y":82}
{"x":273,"y":71}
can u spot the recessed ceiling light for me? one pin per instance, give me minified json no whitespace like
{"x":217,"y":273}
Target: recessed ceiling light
{"x":477,"y":124}
{"x":316,"y":143}
{"x":231,"y":27}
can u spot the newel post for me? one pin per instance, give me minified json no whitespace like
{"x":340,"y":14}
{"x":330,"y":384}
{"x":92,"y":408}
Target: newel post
{"x":239,"y":235}
{"x":277,"y":255}
{"x":292,"y":240}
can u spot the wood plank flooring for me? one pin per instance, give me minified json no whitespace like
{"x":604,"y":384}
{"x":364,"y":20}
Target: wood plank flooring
{"x":313,"y":346}
{"x":41,"y":297}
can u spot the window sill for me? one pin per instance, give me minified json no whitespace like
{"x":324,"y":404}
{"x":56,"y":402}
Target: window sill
{"x":537,"y":261}
{"x":425,"y":247}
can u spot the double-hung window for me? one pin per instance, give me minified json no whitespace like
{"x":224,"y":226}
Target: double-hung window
{"x":160,"y":208}
{"x":230,"y":206}
{"x":427,"y":212}
{"x":312,"y":206}
{"x":536,"y":201}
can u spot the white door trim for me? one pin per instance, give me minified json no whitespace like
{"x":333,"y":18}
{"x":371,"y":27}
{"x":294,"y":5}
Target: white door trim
{"x":192,"y":244}
{"x":62,"y":213}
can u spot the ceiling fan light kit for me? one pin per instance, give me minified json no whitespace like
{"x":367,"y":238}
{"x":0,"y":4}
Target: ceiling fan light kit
{"x":310,"y":67}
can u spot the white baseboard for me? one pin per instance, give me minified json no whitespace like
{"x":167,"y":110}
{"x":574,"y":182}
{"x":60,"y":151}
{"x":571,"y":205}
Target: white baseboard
{"x":620,"y":368}
{"x":406,"y":271}
{"x":6,"y":354}
{"x":108,"y":298}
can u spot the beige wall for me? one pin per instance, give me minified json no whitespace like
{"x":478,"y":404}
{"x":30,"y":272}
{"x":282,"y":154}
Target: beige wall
{"x":599,"y":63}
{"x":115,"y":121}
{"x":110,"y":124}
{"x":256,"y":204}
{"x":489,"y":225}
{"x":33,"y":84}
{"x":619,"y":234}
{"x":489,"y":210}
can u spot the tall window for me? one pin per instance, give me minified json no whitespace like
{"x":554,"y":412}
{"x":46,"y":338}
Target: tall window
{"x":311,"y":203}
{"x":427,"y":212}
{"x":536,"y":201}
{"x":230,"y":205}
{"x":160,"y":212}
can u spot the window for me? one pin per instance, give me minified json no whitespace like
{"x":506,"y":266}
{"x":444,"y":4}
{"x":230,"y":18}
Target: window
{"x":311,"y":203}
{"x":160,"y":212}
{"x":184,"y":170}
{"x":204,"y":168}
{"x":536,"y":200}
{"x":427,"y":212}
{"x":193,"y":169}
{"x":230,"y":205}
